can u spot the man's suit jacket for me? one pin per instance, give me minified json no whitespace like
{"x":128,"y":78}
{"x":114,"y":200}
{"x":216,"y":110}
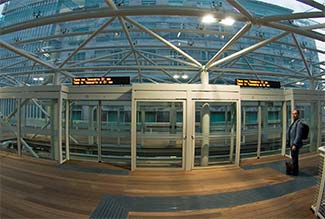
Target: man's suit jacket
{"x":294,"y":134}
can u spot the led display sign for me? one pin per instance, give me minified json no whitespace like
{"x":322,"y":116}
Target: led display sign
{"x":257,"y":83}
{"x":101,"y":81}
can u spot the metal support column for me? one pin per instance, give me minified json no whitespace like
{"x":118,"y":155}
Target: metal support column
{"x":204,"y":77}
{"x":59,"y":129}
{"x":190,"y":130}
{"x":205,"y":111}
{"x":133,"y":134}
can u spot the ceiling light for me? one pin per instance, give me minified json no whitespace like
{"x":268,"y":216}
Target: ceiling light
{"x":185,"y":76}
{"x":208,"y":19}
{"x":176,"y":76}
{"x":228,"y":21}
{"x":38,"y":79}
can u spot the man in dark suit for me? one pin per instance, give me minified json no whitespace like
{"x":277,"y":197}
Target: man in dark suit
{"x":294,"y":141}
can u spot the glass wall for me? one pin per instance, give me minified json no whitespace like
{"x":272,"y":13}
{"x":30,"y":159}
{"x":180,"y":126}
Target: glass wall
{"x":215,"y":133}
{"x":107,"y":139}
{"x":8,"y":118}
{"x":38,"y":127}
{"x":159,"y":136}
{"x":83,"y":130}
{"x":271,"y":139}
{"x":261,"y":128}
{"x":100,"y":130}
{"x":249,"y":132}
{"x":116,"y":133}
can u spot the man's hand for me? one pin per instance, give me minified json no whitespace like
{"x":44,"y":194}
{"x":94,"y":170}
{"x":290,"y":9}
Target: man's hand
{"x":293,"y":147}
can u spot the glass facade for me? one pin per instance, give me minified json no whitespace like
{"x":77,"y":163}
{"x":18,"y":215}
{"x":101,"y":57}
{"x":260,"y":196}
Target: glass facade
{"x":128,"y":46}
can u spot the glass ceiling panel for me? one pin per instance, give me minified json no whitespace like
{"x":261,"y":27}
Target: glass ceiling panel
{"x":294,"y":5}
{"x":133,"y":52}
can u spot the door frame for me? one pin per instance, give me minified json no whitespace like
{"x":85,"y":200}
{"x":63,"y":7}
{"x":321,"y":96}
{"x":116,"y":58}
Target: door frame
{"x":193,"y":136}
{"x":134,"y":132}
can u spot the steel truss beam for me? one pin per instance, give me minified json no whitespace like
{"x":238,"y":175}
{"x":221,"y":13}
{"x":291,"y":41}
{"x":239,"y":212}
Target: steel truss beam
{"x":248,"y":49}
{"x":167,"y":43}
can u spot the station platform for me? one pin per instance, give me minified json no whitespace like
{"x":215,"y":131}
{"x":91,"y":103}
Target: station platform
{"x":259,"y":188}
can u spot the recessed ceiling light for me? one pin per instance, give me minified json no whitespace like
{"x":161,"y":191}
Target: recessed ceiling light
{"x":228,"y":21}
{"x":208,"y":19}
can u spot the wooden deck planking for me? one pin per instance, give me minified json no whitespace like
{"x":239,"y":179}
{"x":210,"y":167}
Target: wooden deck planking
{"x":292,"y":206}
{"x":39,"y":189}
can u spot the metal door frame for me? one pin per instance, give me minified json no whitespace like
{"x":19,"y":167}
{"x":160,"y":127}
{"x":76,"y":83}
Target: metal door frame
{"x":237,"y":132}
{"x":134,"y":132}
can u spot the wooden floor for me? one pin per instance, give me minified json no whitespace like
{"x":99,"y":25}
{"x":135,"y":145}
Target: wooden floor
{"x":39,"y":189}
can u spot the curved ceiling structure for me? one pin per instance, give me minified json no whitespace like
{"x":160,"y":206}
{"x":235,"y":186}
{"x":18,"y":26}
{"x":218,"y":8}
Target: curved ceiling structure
{"x":159,"y":41}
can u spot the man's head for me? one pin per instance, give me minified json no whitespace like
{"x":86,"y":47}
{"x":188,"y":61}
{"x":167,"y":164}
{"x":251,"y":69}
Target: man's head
{"x":295,"y":114}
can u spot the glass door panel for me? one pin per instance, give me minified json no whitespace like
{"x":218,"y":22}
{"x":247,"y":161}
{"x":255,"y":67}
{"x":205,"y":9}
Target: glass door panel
{"x":215,"y":133}
{"x":249,"y":132}
{"x":116,"y":133}
{"x":83,"y":130}
{"x":271,"y":139}
{"x":159,"y":134}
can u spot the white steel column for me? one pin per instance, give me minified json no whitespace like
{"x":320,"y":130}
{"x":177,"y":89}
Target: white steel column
{"x":204,"y":77}
{"x":172,"y":118}
{"x":133,"y":133}
{"x":56,"y":126}
{"x":190,"y":131}
{"x":59,"y":128}
{"x":205,"y":111}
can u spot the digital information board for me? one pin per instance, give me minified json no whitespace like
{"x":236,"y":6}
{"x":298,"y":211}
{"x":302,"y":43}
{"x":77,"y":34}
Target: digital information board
{"x":257,"y":83}
{"x":101,"y":81}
